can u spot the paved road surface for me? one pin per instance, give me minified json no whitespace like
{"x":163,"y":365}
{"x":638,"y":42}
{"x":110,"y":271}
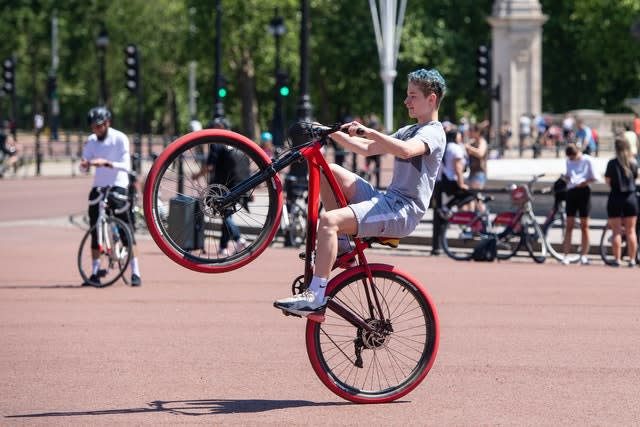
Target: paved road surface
{"x":521,"y":344}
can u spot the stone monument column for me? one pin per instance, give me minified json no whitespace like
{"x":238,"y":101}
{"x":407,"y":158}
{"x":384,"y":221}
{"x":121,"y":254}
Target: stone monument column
{"x":517,"y":59}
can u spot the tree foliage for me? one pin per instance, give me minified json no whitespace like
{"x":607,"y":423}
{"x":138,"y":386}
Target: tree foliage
{"x":589,"y":58}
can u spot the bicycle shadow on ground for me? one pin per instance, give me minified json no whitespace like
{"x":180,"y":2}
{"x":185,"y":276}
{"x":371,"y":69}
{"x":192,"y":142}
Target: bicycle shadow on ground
{"x":193,"y":408}
{"x":51,"y":286}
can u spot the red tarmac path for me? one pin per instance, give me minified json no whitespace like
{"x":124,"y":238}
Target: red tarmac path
{"x":521,"y":344}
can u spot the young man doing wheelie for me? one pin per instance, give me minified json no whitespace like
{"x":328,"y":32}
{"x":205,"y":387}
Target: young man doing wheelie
{"x":418,"y":151}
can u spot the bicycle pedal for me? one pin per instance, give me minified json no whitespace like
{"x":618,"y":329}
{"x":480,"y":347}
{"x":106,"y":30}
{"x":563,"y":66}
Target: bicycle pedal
{"x":286,"y":313}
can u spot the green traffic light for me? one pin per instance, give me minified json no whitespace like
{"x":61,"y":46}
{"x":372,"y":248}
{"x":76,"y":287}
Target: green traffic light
{"x":222,"y":92}
{"x":284,"y":91}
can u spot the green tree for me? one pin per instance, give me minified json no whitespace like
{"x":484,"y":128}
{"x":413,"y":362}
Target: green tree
{"x":590,"y":59}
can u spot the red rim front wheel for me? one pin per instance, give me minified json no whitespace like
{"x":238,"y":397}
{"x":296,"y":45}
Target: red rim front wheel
{"x":393,"y":358}
{"x":180,"y":202}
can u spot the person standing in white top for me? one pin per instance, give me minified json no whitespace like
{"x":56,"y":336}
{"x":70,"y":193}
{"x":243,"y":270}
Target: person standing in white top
{"x":580,"y":174}
{"x":525,"y":131}
{"x":107,"y":149}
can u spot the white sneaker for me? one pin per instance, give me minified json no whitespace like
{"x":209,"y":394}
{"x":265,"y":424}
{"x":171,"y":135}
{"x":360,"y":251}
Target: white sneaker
{"x":565,"y":261}
{"x":238,"y":246}
{"x":302,"y":304}
{"x":584,"y":260}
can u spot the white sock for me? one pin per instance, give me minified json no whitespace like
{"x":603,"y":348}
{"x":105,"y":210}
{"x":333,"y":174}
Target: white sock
{"x":318,"y":286}
{"x":135,"y":268}
{"x":95,"y":266}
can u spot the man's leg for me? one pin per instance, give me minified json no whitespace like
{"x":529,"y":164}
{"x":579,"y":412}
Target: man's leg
{"x":332,"y":221}
{"x":347,"y":182}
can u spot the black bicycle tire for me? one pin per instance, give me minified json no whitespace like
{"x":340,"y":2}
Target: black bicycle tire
{"x":414,"y":328}
{"x":446,"y":240}
{"x":504,"y":235}
{"x":86,"y":242}
{"x":265,"y":228}
{"x":605,"y":256}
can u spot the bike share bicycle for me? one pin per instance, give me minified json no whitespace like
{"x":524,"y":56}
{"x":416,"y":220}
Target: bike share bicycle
{"x":114,"y":240}
{"x":555,"y":225}
{"x":379,"y":335}
{"x":463,"y":231}
{"x":606,"y":249}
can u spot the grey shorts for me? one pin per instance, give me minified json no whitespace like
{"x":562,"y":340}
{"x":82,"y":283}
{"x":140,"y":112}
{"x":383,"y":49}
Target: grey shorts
{"x":381,"y":215}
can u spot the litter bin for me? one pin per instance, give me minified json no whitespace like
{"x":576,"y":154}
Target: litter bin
{"x":186,"y":223}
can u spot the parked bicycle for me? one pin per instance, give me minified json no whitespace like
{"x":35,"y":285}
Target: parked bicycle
{"x":294,"y":212}
{"x":555,"y":225}
{"x":463,"y":230}
{"x":606,"y":238}
{"x":379,"y":335}
{"x":114,"y":240}
{"x":136,"y":212}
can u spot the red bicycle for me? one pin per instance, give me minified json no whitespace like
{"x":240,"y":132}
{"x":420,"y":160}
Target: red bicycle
{"x":379,"y":336}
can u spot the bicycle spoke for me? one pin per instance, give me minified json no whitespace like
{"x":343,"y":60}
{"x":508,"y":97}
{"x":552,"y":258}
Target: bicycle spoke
{"x":243,"y":227}
{"x":387,"y":358}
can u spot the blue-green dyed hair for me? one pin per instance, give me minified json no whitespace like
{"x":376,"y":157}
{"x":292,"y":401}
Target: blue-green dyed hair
{"x":429,"y":81}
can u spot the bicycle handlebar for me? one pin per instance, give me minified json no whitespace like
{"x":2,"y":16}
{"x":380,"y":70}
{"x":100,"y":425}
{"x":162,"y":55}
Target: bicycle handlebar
{"x":305,"y":132}
{"x":103,"y":193}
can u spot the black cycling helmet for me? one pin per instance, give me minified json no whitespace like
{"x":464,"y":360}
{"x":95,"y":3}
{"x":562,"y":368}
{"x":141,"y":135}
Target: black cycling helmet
{"x":98,"y":115}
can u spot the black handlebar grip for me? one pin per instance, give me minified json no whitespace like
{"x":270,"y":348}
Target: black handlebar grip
{"x":359,"y":131}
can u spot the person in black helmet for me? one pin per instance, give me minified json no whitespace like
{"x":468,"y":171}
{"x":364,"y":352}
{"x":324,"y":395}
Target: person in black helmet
{"x":107,"y":149}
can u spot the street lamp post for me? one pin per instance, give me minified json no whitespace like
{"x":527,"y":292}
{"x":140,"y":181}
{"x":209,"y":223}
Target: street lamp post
{"x":219,"y":105}
{"x":102,"y":41}
{"x":304,"y":106}
{"x":277,"y":29}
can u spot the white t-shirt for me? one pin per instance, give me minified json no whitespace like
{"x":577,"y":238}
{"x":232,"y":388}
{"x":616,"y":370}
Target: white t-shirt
{"x":413,"y":179}
{"x":452,"y":153}
{"x":115,"y":148}
{"x":632,"y":139}
{"x":580,"y":170}
{"x":525,"y":125}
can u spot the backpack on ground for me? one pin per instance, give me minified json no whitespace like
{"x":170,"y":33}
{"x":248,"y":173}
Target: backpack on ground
{"x":486,"y":250}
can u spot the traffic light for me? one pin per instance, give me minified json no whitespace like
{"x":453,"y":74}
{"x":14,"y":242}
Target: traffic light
{"x":222,"y":87}
{"x":8,"y":75}
{"x":132,"y":61}
{"x":483,"y":67}
{"x":282,"y":82}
